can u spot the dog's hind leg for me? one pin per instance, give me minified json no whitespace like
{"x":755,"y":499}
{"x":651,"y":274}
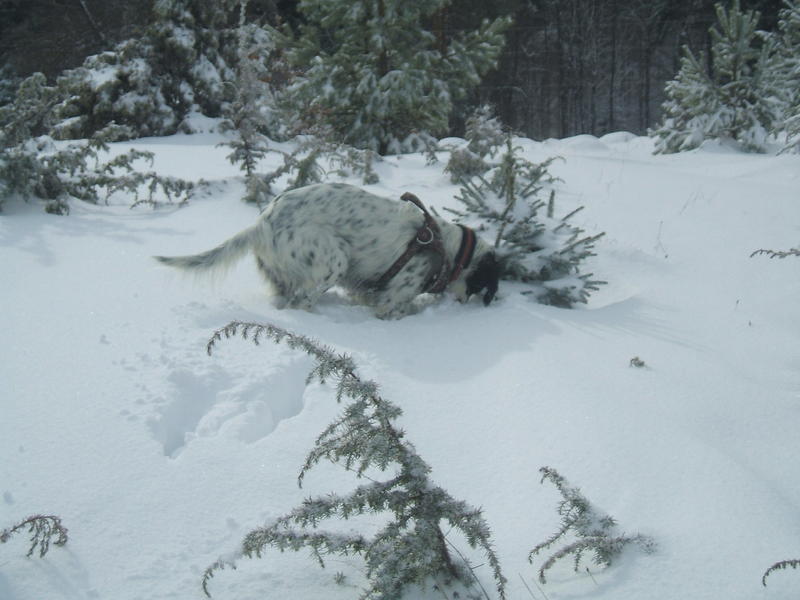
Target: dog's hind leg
{"x":325,"y":264}
{"x":273,"y":281}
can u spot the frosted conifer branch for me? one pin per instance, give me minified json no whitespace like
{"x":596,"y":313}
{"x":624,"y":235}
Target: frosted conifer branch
{"x":43,"y":528}
{"x":777,"y":253}
{"x":783,"y":564}
{"x":411,"y":548}
{"x":534,"y":247}
{"x":593,"y":530}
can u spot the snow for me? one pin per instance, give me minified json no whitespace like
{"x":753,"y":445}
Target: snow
{"x":159,"y":458}
{"x":102,"y":75}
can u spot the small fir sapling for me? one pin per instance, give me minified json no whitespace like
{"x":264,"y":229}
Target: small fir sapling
{"x":253,"y":115}
{"x":484,"y":135}
{"x":535,"y":247}
{"x":412,"y":547}
{"x":44,"y":530}
{"x":595,"y":532}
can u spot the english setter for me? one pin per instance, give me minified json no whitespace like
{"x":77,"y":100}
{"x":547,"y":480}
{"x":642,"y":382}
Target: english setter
{"x":384,"y":252}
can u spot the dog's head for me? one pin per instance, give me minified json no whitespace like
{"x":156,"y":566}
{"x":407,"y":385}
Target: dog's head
{"x":484,"y":276}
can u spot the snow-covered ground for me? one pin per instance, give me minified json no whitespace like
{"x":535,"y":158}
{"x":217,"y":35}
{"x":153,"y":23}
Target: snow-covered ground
{"x":159,"y":458}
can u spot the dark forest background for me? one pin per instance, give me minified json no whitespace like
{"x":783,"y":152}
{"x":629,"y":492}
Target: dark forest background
{"x":569,"y":66}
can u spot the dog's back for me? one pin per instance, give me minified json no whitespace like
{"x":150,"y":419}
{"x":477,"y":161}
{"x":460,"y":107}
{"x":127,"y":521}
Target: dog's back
{"x":371,"y":230}
{"x":324,"y":232}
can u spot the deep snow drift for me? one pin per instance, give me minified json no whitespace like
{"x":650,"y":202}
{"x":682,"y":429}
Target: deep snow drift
{"x":159,"y":458}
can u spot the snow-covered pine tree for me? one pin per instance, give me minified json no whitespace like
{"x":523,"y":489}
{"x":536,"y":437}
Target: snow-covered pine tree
{"x":37,"y":169}
{"x":259,"y":113}
{"x":788,"y":66}
{"x":29,"y":113}
{"x":411,"y":548}
{"x":376,"y":74}
{"x":484,"y":134}
{"x":536,"y":248}
{"x":150,"y":84}
{"x":252,"y":114}
{"x":32,"y":167}
{"x":736,"y":101}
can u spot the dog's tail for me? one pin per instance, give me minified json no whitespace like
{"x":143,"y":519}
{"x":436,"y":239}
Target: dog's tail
{"x":217,"y":259}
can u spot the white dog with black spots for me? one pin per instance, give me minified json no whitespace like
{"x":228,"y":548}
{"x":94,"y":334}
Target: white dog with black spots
{"x":313,"y":238}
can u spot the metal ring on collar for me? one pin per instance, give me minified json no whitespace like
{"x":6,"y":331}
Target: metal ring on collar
{"x":430,"y":239}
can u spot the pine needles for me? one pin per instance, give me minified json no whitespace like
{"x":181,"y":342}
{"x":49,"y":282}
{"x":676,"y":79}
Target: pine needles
{"x":594,"y":531}
{"x":777,"y":253}
{"x":778,"y":566}
{"x":505,"y":203}
{"x":44,"y":530}
{"x":411,"y":548}
{"x":34,"y":168}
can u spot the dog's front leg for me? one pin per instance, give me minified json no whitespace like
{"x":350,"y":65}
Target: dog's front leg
{"x":397,"y":299}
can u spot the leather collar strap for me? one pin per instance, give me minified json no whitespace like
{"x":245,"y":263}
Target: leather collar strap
{"x":429,"y":237}
{"x":465,"y":252}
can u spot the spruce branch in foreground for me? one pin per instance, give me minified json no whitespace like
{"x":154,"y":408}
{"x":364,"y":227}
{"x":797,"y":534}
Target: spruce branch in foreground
{"x":411,"y":548}
{"x":43,"y":528}
{"x":780,"y":565}
{"x":594,"y":531}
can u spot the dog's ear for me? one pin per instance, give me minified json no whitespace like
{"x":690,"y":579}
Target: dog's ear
{"x":485,"y":276}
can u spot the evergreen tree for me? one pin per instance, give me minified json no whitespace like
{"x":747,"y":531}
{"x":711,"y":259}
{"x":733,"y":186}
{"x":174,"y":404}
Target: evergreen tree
{"x":789,"y":70}
{"x":484,"y":134}
{"x":150,"y":84}
{"x":536,"y":248}
{"x":252,"y":114}
{"x":737,"y":100}
{"x":31,"y":167}
{"x":412,"y":547}
{"x":379,"y":77}
{"x":8,"y":84}
{"x":29,"y":113}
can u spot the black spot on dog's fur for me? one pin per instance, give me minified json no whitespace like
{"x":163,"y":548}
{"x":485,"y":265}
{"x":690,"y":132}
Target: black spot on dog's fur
{"x":485,"y":276}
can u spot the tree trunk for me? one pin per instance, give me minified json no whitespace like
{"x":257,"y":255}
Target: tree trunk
{"x":95,"y":27}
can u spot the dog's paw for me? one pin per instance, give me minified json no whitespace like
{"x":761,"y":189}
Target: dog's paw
{"x":391,"y":313}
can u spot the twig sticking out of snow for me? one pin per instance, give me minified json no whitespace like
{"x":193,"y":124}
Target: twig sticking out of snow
{"x":783,"y":564}
{"x":43,"y":528}
{"x":593,"y":530}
